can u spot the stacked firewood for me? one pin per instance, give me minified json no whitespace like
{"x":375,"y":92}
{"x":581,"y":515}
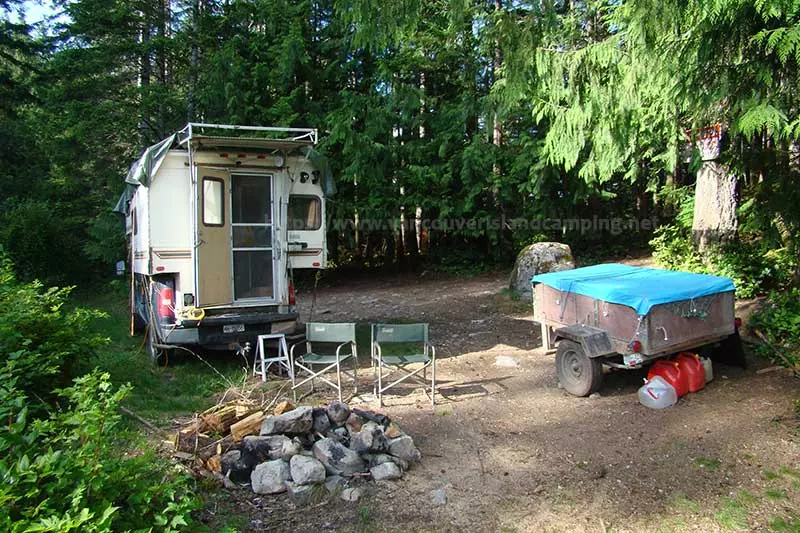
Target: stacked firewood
{"x":203,"y":440}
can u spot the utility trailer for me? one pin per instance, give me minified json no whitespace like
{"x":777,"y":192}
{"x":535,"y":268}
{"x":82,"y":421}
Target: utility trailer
{"x":625,"y":317}
{"x":218,"y":217}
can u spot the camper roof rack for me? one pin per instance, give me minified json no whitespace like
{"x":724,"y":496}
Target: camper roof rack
{"x":198,"y":136}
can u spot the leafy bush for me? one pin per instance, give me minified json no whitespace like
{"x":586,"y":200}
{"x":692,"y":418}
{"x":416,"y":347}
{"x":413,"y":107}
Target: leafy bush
{"x":65,"y":472}
{"x":779,"y":320}
{"x":64,"y":465}
{"x":41,"y":336}
{"x":753,"y":267}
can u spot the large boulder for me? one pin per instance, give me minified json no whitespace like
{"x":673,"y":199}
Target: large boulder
{"x":539,"y":258}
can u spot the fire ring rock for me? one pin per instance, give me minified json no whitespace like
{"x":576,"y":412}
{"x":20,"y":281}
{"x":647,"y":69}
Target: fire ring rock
{"x":338,"y":412}
{"x":293,"y":422}
{"x":386,"y":472}
{"x":338,"y":459}
{"x":270,"y":477}
{"x":236,"y":466}
{"x":403,"y":447}
{"x":260,"y":449}
{"x":306,"y":470}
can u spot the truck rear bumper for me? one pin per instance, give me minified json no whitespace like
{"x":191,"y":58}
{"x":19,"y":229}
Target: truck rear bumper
{"x":228,"y":330}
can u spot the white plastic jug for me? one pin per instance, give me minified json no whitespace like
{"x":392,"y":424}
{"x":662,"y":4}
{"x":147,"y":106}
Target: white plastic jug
{"x":657,"y":394}
{"x":708,"y":368}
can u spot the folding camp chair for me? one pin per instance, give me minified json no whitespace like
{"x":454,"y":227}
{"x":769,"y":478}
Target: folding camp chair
{"x":317,"y":333}
{"x":401,"y":336}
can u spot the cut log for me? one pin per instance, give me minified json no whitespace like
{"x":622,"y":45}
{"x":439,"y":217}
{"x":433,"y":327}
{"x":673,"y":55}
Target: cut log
{"x":219,"y":421}
{"x":214,"y":463}
{"x":283,"y":407}
{"x":191,"y":442}
{"x":247,"y":426}
{"x":217,"y":447}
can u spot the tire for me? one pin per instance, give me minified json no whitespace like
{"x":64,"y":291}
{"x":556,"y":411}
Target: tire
{"x":577,"y":373}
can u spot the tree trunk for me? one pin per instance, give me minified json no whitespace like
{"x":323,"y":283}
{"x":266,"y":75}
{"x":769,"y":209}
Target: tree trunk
{"x":715,"y":204}
{"x":191,"y":110}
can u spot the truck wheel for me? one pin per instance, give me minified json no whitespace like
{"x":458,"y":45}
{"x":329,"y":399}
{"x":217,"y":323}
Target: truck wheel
{"x":158,"y":355}
{"x":577,"y":373}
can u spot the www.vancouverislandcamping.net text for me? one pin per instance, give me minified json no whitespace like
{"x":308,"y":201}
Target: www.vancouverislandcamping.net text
{"x":613,"y":225}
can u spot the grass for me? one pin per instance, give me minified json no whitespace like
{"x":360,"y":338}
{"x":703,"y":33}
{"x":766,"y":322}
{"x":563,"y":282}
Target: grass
{"x":709,"y":464}
{"x":733,"y":515}
{"x":185,"y":386}
{"x":365,"y":519}
{"x":775,"y":494}
{"x":680,"y":502}
{"x":785,"y":524}
{"x":770,"y":475}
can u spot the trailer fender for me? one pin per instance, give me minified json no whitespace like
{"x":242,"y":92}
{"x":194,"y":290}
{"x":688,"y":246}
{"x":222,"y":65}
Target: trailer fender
{"x":595,"y":341}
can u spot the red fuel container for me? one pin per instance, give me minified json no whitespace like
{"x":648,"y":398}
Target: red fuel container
{"x":692,"y":368}
{"x":672,"y":374}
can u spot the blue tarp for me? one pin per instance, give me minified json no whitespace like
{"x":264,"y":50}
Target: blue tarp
{"x":637,"y":287}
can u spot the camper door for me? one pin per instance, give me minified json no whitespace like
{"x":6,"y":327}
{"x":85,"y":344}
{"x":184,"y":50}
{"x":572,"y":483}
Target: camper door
{"x":235,"y":259}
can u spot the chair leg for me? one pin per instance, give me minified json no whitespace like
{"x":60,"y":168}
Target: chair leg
{"x":339,"y":379}
{"x":433,"y":384}
{"x":355,"y":374}
{"x":380,"y":384}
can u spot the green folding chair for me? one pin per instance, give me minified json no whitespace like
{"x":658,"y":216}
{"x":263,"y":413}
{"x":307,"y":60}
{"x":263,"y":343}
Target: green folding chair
{"x":320,"y":336}
{"x":398,"y":348}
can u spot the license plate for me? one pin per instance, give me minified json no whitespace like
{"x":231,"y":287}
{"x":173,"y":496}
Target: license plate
{"x":233,"y":328}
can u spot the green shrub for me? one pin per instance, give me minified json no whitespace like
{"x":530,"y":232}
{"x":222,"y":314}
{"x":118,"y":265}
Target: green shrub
{"x":779,"y":320}
{"x":65,"y":461}
{"x":753,"y":267}
{"x":41,"y":335}
{"x":67,"y":471}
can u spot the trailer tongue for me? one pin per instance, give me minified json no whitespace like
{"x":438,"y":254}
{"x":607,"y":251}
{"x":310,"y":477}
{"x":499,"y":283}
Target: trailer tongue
{"x":623,"y":317}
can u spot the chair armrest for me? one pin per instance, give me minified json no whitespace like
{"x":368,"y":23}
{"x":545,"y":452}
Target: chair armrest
{"x":339,"y":348}
{"x":433,"y":352}
{"x":291,"y":351}
{"x":376,"y":351}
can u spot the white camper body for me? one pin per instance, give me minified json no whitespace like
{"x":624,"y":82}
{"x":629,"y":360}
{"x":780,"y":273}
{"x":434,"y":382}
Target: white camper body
{"x":216,"y":226}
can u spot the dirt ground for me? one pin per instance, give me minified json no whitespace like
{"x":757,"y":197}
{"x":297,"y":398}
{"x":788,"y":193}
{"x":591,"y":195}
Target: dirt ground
{"x":511,"y":451}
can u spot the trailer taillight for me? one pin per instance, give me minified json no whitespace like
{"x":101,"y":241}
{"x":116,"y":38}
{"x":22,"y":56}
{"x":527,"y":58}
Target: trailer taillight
{"x":292,"y":294}
{"x":737,"y":322}
{"x":636,"y":347}
{"x":166,"y":303}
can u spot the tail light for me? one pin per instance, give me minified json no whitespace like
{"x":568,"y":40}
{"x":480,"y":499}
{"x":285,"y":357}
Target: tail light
{"x":292,"y":294}
{"x":636,"y":347}
{"x":166,"y":303}
{"x":738,"y":322}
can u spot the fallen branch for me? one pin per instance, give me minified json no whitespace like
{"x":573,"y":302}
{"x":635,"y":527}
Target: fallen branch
{"x":142,"y":421}
{"x":777,"y":352}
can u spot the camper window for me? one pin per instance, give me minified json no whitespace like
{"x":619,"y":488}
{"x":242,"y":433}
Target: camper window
{"x":305,"y":212}
{"x":213,"y":202}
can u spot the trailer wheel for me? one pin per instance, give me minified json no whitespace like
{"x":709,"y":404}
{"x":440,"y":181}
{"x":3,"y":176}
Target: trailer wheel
{"x":579,"y":374}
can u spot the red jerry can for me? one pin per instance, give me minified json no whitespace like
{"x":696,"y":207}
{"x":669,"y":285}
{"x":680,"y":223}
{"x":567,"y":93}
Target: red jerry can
{"x":692,"y":368}
{"x":672,"y":374}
